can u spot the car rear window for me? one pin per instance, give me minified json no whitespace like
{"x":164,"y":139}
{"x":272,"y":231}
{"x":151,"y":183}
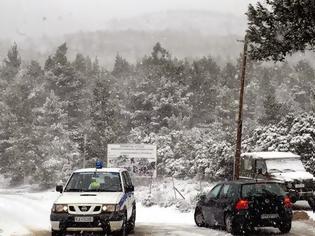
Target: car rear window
{"x":254,"y":189}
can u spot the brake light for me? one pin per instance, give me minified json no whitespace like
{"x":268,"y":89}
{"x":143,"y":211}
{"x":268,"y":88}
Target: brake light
{"x":287,"y":202}
{"x":241,"y":205}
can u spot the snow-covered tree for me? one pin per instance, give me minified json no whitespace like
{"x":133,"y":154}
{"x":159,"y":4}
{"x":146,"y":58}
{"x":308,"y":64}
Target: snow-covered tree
{"x":281,"y":27}
{"x":57,"y":154}
{"x":293,"y":133}
{"x":12,"y":63}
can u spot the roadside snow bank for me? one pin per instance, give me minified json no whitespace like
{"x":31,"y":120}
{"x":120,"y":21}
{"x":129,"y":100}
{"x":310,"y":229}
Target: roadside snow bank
{"x":23,"y":212}
{"x":163,"y":194}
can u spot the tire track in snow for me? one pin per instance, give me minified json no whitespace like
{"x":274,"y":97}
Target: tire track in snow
{"x":23,"y":213}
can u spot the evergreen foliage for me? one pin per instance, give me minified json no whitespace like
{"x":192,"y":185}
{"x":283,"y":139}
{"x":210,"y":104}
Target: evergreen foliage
{"x":295,"y":133}
{"x":281,"y":27}
{"x":53,"y":117}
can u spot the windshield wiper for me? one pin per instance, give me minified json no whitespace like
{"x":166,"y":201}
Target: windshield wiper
{"x":275,"y":170}
{"x":73,"y":190}
{"x":100,"y":190}
{"x":288,"y":170}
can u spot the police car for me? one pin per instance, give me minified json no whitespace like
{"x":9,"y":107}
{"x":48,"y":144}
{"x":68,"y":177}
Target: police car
{"x":99,"y":200}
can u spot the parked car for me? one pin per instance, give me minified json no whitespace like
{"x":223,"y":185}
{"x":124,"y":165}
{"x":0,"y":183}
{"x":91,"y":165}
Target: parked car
{"x":239,"y":206}
{"x":97,"y":200}
{"x":281,"y":166}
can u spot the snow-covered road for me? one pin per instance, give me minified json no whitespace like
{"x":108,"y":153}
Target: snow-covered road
{"x":26,"y":214}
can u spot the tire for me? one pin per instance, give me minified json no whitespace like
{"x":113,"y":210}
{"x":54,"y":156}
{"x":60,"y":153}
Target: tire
{"x":311,"y":202}
{"x":199,"y":218}
{"x":123,"y":231}
{"x":285,"y":227}
{"x":56,"y":233}
{"x":230,"y":226}
{"x":132,"y":221}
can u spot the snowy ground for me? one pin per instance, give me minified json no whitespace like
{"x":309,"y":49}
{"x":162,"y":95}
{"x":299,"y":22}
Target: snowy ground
{"x":26,"y":213}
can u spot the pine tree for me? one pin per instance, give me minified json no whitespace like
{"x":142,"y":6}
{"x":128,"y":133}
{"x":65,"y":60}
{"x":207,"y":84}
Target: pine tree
{"x":57,"y":153}
{"x":121,"y":67}
{"x":281,"y":27}
{"x":79,"y":64}
{"x":273,"y":111}
{"x":68,"y":84}
{"x":34,"y":69}
{"x":11,"y":66}
{"x":105,"y":120}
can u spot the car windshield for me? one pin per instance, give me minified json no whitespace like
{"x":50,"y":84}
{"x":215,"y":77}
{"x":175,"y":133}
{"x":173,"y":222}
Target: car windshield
{"x":94,"y":182}
{"x":284,"y":165}
{"x":259,"y":189}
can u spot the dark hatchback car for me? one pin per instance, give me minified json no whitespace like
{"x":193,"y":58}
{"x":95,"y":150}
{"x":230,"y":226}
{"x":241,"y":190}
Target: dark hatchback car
{"x":240,"y":206}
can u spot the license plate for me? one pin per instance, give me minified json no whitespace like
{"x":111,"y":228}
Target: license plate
{"x":269,"y":216}
{"x":299,"y":185}
{"x":83,"y":219}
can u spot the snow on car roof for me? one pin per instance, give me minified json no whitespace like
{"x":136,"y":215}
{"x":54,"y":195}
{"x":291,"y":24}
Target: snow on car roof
{"x":270,"y":155}
{"x":100,"y":170}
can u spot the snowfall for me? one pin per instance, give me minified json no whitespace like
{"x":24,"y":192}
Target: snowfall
{"x":24,"y":211}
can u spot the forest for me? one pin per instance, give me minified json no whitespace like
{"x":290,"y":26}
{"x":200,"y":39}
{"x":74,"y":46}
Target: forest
{"x":54,"y":114}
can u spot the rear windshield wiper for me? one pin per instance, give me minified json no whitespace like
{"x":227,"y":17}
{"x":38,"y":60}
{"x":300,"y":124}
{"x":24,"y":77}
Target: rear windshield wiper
{"x":267,"y":192}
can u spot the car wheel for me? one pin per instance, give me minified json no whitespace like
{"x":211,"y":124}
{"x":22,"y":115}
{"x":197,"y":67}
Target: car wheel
{"x":199,"y":218}
{"x":56,"y":233}
{"x":230,"y":226}
{"x":285,"y":227}
{"x":132,"y":221}
{"x":311,"y":202}
{"x":123,"y":231}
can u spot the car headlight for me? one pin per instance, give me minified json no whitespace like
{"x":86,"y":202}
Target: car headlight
{"x":110,"y":208}
{"x":59,"y":208}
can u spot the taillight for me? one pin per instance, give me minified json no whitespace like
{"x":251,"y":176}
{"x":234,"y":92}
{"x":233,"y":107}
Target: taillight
{"x":241,"y":205}
{"x":287,"y":202}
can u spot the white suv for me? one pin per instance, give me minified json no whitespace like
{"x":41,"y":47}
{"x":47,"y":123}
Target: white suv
{"x":95,"y":200}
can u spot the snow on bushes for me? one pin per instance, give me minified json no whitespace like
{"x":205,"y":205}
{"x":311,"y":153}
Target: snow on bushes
{"x":163,"y":195}
{"x":196,"y":152}
{"x":294,"y":133}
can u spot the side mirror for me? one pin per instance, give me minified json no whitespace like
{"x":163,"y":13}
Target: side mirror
{"x":130,"y":188}
{"x":59,"y":188}
{"x":202,"y":197}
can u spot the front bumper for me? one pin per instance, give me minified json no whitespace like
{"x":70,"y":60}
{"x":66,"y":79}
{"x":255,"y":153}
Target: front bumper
{"x":301,"y":195}
{"x":304,"y":192}
{"x":103,"y":222}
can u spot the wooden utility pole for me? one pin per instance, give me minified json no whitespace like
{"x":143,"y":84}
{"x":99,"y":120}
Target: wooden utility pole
{"x":240,"y":115}
{"x":84,"y":151}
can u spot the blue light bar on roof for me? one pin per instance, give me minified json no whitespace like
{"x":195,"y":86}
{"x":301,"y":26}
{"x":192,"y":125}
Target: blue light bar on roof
{"x":99,"y":164}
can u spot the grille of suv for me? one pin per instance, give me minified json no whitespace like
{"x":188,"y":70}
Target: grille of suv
{"x":84,"y":209}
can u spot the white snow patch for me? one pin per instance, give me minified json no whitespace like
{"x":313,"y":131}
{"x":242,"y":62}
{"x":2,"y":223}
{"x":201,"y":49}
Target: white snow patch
{"x":311,"y":214}
{"x":168,"y":215}
{"x":24,"y":212}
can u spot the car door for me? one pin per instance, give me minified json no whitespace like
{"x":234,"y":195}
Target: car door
{"x":208,"y":209}
{"x":222,"y":203}
{"x":130,"y":193}
{"x":127,"y":184}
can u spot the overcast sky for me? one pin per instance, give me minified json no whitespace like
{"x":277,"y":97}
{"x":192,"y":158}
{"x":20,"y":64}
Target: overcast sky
{"x":21,"y":18}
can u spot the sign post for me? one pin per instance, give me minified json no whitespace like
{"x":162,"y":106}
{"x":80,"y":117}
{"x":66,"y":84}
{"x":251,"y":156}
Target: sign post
{"x":138,"y":159}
